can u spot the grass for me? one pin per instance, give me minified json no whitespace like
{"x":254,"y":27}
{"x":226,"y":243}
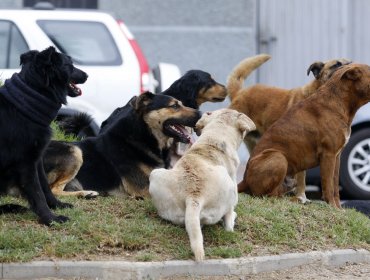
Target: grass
{"x":59,"y":135}
{"x":123,"y":228}
{"x":118,"y":228}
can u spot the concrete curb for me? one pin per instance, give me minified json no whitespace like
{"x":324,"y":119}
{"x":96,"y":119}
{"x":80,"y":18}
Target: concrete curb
{"x":155,"y":270}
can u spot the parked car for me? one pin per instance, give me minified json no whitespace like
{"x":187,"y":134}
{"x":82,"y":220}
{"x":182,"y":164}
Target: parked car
{"x":99,"y":44}
{"x":354,"y":177}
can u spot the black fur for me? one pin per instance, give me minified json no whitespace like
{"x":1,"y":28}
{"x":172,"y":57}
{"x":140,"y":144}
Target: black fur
{"x":187,"y":88}
{"x":23,"y":140}
{"x":114,"y":159}
{"x":75,"y":124}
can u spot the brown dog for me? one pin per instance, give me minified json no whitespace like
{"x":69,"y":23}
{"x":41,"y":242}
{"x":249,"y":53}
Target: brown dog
{"x":266,"y":104}
{"x":313,"y":132}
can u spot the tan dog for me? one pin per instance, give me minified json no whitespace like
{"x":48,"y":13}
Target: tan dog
{"x":266,"y":104}
{"x":202,"y":187}
{"x":313,"y":132}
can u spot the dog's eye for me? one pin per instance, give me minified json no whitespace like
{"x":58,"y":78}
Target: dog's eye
{"x":175,"y":106}
{"x":336,"y":65}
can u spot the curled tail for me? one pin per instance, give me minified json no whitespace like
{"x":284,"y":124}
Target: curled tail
{"x":75,"y":124}
{"x":242,"y":71}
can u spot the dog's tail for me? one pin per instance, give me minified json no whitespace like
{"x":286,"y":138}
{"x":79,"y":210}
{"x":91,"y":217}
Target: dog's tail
{"x":192,"y":225}
{"x":242,"y":71}
{"x":75,"y":124}
{"x":12,"y":208}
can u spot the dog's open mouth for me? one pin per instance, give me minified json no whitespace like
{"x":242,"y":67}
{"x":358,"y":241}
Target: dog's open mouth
{"x":178,"y":132}
{"x":218,"y":99}
{"x":74,"y":90}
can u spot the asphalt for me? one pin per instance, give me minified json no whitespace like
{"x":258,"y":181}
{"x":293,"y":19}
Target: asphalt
{"x":156,"y":270}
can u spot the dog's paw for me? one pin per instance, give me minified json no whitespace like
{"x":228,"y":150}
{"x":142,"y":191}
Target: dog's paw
{"x":63,"y":205}
{"x":90,"y":194}
{"x":59,"y":204}
{"x":52,"y":219}
{"x":300,"y":199}
{"x":12,"y":208}
{"x":229,"y":221}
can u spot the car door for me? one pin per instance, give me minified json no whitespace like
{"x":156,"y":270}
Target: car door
{"x":12,"y":45}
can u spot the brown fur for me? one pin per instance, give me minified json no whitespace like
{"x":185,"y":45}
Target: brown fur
{"x":66,"y":168}
{"x":266,"y":104}
{"x":118,"y":161}
{"x":216,"y":93}
{"x":313,"y":132}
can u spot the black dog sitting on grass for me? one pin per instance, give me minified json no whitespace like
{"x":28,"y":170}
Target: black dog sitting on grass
{"x":29,"y":101}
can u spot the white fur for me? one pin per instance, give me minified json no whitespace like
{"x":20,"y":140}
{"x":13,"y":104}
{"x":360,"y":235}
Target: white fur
{"x":201,"y":188}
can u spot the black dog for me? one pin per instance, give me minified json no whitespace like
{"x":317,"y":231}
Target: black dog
{"x":196,"y":87}
{"x":29,"y":101}
{"x":193,"y":89}
{"x":119,"y":160}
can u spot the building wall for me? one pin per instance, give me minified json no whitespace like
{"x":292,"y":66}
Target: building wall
{"x":11,"y":4}
{"x":212,"y":35}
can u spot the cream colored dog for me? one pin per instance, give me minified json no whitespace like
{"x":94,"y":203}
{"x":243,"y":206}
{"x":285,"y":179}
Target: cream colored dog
{"x":201,"y":188}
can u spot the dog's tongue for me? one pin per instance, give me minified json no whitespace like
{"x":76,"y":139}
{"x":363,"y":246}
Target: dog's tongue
{"x":184,"y":131}
{"x":76,"y":90}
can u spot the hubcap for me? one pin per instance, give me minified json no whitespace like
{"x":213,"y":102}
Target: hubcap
{"x":359,"y":165}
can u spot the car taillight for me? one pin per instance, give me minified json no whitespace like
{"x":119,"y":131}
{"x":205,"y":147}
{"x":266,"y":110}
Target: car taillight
{"x":143,"y":64}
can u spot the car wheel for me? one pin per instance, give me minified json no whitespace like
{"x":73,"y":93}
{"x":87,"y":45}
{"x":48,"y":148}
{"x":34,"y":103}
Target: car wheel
{"x":355,"y":165}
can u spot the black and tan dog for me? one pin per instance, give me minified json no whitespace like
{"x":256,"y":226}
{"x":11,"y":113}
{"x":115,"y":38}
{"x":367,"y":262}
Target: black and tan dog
{"x":29,"y":101}
{"x":193,"y":89}
{"x":266,"y":104}
{"x":196,"y":87}
{"x":312,"y":133}
{"x":134,"y":142}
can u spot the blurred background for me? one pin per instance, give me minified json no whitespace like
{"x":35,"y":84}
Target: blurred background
{"x":214,"y":35}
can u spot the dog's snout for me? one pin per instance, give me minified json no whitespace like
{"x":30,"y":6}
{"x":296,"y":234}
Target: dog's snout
{"x":199,"y":114}
{"x":79,"y":76}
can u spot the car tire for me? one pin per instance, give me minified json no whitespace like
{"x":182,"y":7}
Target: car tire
{"x":355,"y":165}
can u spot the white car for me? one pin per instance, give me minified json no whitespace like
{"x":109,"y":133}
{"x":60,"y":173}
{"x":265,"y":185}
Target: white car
{"x":98,"y":44}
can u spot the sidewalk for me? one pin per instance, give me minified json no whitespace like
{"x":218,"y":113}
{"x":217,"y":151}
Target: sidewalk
{"x":156,"y":270}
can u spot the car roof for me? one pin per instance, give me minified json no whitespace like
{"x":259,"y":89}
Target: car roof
{"x":54,"y":14}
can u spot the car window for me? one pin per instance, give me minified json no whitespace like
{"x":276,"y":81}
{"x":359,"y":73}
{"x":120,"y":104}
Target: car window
{"x":87,"y":42}
{"x":12,"y":45}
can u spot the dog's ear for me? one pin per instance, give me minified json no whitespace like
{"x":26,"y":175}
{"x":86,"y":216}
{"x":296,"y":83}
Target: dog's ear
{"x":315,"y":68}
{"x":45,"y":57}
{"x":352,"y":74}
{"x":132,"y":101}
{"x":244,"y":123}
{"x":201,"y":123}
{"x":143,"y":100}
{"x":28,"y":56}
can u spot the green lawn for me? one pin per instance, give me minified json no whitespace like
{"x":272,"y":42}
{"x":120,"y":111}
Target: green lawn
{"x":118,"y":228}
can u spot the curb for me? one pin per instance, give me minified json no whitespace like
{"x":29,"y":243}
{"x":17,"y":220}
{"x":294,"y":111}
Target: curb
{"x":155,"y":270}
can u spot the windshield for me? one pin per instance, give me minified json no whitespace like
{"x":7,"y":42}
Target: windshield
{"x":87,"y":42}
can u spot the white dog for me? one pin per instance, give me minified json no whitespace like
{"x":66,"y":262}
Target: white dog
{"x":201,"y":188}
